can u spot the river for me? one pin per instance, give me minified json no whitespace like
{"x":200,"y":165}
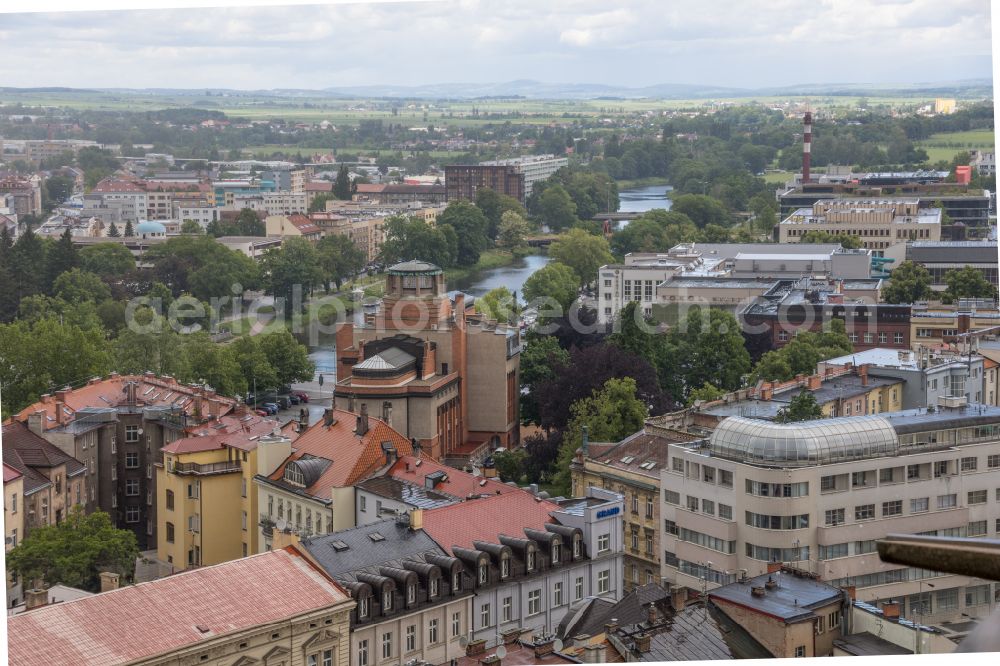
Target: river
{"x":642,"y":199}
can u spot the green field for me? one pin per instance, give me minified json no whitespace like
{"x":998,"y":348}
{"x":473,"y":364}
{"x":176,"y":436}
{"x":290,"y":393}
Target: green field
{"x":945,"y":145}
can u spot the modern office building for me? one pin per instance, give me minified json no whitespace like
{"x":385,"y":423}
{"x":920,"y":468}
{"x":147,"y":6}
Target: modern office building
{"x":817,"y":495}
{"x":943,"y":256}
{"x":462,"y":181}
{"x":535,"y":168}
{"x":877,"y":223}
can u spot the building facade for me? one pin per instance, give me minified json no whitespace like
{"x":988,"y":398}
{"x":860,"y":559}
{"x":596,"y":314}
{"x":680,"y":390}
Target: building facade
{"x":535,"y":168}
{"x":462,"y":181}
{"x":876,"y":223}
{"x":13,"y":525}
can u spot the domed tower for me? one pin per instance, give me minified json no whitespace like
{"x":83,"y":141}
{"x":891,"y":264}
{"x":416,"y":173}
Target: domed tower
{"x":415,"y":298}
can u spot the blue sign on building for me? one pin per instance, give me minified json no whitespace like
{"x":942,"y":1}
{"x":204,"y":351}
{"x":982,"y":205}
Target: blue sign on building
{"x":613,"y":511}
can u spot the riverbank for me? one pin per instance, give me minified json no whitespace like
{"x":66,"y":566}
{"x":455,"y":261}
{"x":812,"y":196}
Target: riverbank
{"x":488,"y":260}
{"x":630,"y":184}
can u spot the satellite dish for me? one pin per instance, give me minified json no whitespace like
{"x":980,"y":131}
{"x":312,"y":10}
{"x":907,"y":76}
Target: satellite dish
{"x":463,"y":642}
{"x":558,"y":645}
{"x":501,"y":652}
{"x":281,"y":524}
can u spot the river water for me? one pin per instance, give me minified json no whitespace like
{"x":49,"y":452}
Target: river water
{"x":642,"y":199}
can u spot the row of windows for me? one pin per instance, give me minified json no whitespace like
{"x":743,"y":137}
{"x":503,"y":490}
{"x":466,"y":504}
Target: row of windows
{"x":883,"y":338}
{"x":486,"y":618}
{"x":796,"y":522}
{"x":693,"y":470}
{"x":388,"y":649}
{"x":707,"y":541}
{"x":708,"y":507}
{"x":885,"y":577}
{"x":761,"y":489}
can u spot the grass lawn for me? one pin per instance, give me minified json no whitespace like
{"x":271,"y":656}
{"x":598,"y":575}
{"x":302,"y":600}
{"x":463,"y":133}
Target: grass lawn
{"x":778,"y":177}
{"x":945,"y":145}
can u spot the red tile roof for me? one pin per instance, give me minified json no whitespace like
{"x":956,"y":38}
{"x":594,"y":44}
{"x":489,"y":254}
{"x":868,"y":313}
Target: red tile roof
{"x":353,"y":457}
{"x":151,"y":390}
{"x":162,"y":616}
{"x":319,"y":186}
{"x":458,"y":483}
{"x":10,"y":474}
{"x":370,"y":188}
{"x":487,"y":518}
{"x":241,"y":432}
{"x":303,"y":224}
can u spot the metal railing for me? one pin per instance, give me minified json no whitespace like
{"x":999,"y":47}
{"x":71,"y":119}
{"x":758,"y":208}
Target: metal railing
{"x":206,"y":468}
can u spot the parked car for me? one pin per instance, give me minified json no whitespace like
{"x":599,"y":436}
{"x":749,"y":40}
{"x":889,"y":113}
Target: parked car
{"x":283,"y":401}
{"x":271,"y":407}
{"x":294,"y":399}
{"x":302,"y":396}
{"x":260,"y":411}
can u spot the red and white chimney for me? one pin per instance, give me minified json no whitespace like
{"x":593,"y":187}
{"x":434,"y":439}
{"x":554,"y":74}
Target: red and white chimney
{"x":807,"y":122}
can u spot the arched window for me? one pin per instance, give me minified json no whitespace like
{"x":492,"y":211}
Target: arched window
{"x":411,"y":593}
{"x":504,"y":566}
{"x":484,"y":573}
{"x":386,"y":601}
{"x":294,"y":475}
{"x":364,"y":606}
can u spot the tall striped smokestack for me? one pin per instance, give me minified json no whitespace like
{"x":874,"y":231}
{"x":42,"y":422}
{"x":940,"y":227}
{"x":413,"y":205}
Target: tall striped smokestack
{"x":806,"y":144}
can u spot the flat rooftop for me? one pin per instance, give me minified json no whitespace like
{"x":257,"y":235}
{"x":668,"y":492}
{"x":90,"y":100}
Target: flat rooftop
{"x":792,"y":600}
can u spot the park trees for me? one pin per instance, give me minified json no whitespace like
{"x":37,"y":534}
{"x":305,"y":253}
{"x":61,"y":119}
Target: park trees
{"x":556,"y":281}
{"x":909,"y":282}
{"x":339,"y":258}
{"x":966,"y":282}
{"x":512,"y":231}
{"x":411,"y":238}
{"x":556,"y":209}
{"x":470,"y":227}
{"x":583,"y":252}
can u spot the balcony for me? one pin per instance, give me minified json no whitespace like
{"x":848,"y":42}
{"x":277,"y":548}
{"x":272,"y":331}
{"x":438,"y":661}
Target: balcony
{"x":208,"y":469}
{"x":267,"y":524}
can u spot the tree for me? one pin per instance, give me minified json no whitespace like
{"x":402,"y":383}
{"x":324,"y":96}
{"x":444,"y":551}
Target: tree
{"x":339,"y":258}
{"x":412,"y":238}
{"x":254,"y":364}
{"x":318,"y":203}
{"x":342,"y":186}
{"x":541,"y":360}
{"x":556,"y":281}
{"x":76,"y":551}
{"x":59,"y":188}
{"x":816,"y":236}
{"x":967,"y":282}
{"x":292,"y":269}
{"x":113,"y":231}
{"x":707,"y":393}
{"x":765,"y":211}
{"x":75,"y":286}
{"x":610,"y":415}
{"x":909,"y":282}
{"x":107,"y":259}
{"x":61,"y":257}
{"x":803,"y":352}
{"x":129,"y":231}
{"x":191,"y":227}
{"x":201,"y":266}
{"x":287,"y":356}
{"x":556,"y":209}
{"x":498,"y":304}
{"x":701,"y":209}
{"x":494,"y":206}
{"x":512,"y":231}
{"x":583,"y":252}
{"x":470,"y":228}
{"x":207,"y":362}
{"x":655,"y":231}
{"x":510,"y":464}
{"x":802,"y":407}
{"x":705,"y":347}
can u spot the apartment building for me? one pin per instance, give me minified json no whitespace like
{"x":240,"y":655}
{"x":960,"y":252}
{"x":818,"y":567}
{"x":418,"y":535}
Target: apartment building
{"x":877,"y":223}
{"x":462,"y":181}
{"x":199,"y":211}
{"x":635,"y":280}
{"x":400,"y":193}
{"x":270,"y":609}
{"x":24,"y":195}
{"x":131,"y":198}
{"x":206,"y":506}
{"x":116,"y":426}
{"x":309,"y":489}
{"x":632,"y":469}
{"x":295,"y":225}
{"x":535,"y":168}
{"x":13,"y":525}
{"x":36,"y":150}
{"x":817,"y":495}
{"x":273,"y":203}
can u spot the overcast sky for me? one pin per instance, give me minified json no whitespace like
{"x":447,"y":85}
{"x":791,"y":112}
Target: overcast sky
{"x":740,"y":43}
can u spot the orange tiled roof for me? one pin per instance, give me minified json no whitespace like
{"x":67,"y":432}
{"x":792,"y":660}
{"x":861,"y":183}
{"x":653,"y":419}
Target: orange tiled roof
{"x":487,"y":518}
{"x":458,"y":483}
{"x":118,"y":185}
{"x":139,"y":622}
{"x":353,"y":457}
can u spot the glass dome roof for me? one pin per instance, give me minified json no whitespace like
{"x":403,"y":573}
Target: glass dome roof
{"x":803,"y":444}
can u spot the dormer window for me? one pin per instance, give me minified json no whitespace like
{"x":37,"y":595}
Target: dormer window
{"x":294,"y":476}
{"x":364,"y":606}
{"x":530,"y":561}
{"x":434,"y":587}
{"x":577,"y":547}
{"x":387,"y":601}
{"x":484,"y":573}
{"x":411,"y":593}
{"x":504,"y":567}
{"x":456,"y":582}
{"x":556,"y":552}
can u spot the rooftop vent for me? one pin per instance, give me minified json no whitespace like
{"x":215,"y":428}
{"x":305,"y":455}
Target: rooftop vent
{"x":375,"y":536}
{"x":339,"y":546}
{"x":757,"y":591}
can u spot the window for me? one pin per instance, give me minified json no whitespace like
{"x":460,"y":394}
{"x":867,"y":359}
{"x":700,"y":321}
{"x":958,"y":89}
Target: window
{"x":834,"y":551}
{"x":386,"y":601}
{"x":834,"y":517}
{"x":670,"y":527}
{"x":833,"y":620}
{"x":411,"y":594}
{"x":976,"y":529}
{"x":919,"y":504}
{"x":649,"y":544}
{"x":411,"y":638}
{"x":507,"y":608}
{"x":977,"y":497}
{"x":327,"y":658}
{"x":912,"y":472}
{"x":603,"y":581}
{"x":725,"y":512}
{"x":132,"y":514}
{"x":767,"y":522}
{"x":940,"y":468}
{"x":977,"y":595}
{"x":504,"y":567}
{"x":708,"y":474}
{"x":364,"y":504}
{"x":864,"y":512}
{"x":635,"y":540}
{"x":947,"y":501}
{"x":170,"y":532}
{"x":782,"y":336}
{"x":725,"y":478}
{"x":434,"y":587}
{"x":456,"y":582}
{"x":692,"y":503}
{"x":886,"y":475}
{"x":947,"y":599}
{"x":132,"y":487}
{"x":708,"y":506}
{"x":432,"y":631}
{"x":969,"y":464}
{"x":671,"y":497}
{"x":859,"y":479}
{"x":193,"y":488}
{"x":800,"y":650}
{"x":456,"y":624}
{"x":864,"y":547}
{"x":530,"y":562}
{"x":484,"y":616}
{"x":897,"y":338}
{"x":993,"y":461}
{"x":827,"y":483}
{"x":678,"y":465}
{"x":364,"y":606}
{"x":892,"y":508}
{"x":484,"y":574}
{"x":603,"y":543}
{"x":387,"y":645}
{"x":131,"y":434}
{"x":649,"y":507}
{"x":578,"y":589}
{"x":131,"y":460}
{"x":868,"y":338}
{"x":635,"y":503}
{"x":534,"y":602}
{"x":556,"y":553}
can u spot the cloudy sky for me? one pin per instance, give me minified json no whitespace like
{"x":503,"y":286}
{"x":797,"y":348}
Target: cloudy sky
{"x":741,"y":43}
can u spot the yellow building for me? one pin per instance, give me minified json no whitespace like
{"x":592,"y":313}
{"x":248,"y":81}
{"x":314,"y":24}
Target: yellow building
{"x":206,"y":506}
{"x":944,"y":106}
{"x":13,"y":525}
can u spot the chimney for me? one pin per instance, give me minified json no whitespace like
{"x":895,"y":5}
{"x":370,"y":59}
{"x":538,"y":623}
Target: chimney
{"x":642,"y":643}
{"x":109,"y":581}
{"x":678,"y":598}
{"x":651,"y":614}
{"x":544,"y":648}
{"x":35,"y":598}
{"x":282,"y":539}
{"x":771,"y":584}
{"x":594,"y":653}
{"x":851,"y":592}
{"x":415,"y":445}
{"x":611,"y":626}
{"x":890,"y":610}
{"x":417,"y":519}
{"x":61,"y":394}
{"x":362,"y":422}
{"x":814,"y":382}
{"x":766,"y":391}
{"x":36,"y":421}
{"x":757,"y":590}
{"x":328,"y":418}
{"x":806,"y":145}
{"x":773,"y":567}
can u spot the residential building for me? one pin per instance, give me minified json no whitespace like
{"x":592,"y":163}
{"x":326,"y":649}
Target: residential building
{"x":52,"y":481}
{"x":943,"y":256}
{"x":197,"y":210}
{"x":24,"y":195}
{"x":635,"y":280}
{"x":944,"y":106}
{"x":817,"y":495}
{"x":790,"y":613}
{"x":935,"y":324}
{"x":413,"y":602}
{"x":116,"y":426}
{"x":535,"y":168}
{"x":295,"y":225}
{"x":883,"y":631}
{"x":316,"y":188}
{"x":631,"y":468}
{"x":430,"y":366}
{"x":528,"y":558}
{"x":252,"y":246}
{"x":929,"y":377}
{"x":206,"y":504}
{"x":985,"y":163}
{"x":36,"y":150}
{"x":13,"y":525}
{"x":400,"y":193}
{"x":462,"y":181}
{"x":269,"y":609}
{"x":130,"y":197}
{"x":273,"y":203}
{"x":310,"y":489}
{"x":877,"y":223}
{"x":224,"y":190}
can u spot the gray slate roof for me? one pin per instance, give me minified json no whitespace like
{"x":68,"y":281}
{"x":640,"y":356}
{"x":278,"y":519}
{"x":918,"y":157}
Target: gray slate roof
{"x":792,"y":601}
{"x":404,"y":491}
{"x":366,"y":555}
